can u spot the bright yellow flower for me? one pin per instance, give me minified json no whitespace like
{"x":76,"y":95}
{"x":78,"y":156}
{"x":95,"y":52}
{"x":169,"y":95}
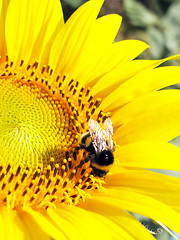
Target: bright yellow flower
{"x":54,"y":78}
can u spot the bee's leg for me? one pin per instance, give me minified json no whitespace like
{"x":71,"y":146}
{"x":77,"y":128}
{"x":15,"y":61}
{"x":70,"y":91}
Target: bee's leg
{"x":75,"y":152}
{"x":90,"y":157}
{"x":77,"y":149}
{"x":98,"y":172}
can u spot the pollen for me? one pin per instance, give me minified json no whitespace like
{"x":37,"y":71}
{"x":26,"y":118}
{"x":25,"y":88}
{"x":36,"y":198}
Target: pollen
{"x":51,"y":187}
{"x":41,"y":119}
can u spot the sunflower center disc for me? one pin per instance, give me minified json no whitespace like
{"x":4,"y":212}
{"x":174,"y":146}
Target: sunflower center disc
{"x":40,"y":165}
{"x":31,"y":125}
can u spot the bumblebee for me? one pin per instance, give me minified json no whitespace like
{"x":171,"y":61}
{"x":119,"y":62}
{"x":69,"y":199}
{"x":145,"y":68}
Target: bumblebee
{"x":99,"y":143}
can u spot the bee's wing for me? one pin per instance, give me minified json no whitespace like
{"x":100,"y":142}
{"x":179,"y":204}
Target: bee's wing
{"x":109,"y":132}
{"x":96,"y":134}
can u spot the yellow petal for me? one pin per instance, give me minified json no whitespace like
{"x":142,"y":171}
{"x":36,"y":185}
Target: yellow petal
{"x":122,"y":224}
{"x":51,"y":24}
{"x":144,"y":104}
{"x":94,"y":48}
{"x":28,"y":20}
{"x":123,"y":72}
{"x":118,"y":60}
{"x":127,"y":50}
{"x":31,"y":228}
{"x":142,"y":204}
{"x":3,"y":11}
{"x":149,"y":154}
{"x":162,"y":187}
{"x":88,"y":225}
{"x":65,"y":225}
{"x":161,"y":123}
{"x":2,"y":229}
{"x":69,"y":41}
{"x":46,"y":225}
{"x":12,"y":225}
{"x":142,"y":83}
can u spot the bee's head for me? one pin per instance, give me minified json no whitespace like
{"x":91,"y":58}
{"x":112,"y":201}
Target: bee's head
{"x":105,"y":158}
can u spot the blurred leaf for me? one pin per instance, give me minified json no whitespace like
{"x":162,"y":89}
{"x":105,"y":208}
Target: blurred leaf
{"x":173,"y":14}
{"x":75,"y":3}
{"x":156,"y":42}
{"x":171,"y":25}
{"x":171,"y":42}
{"x":139,"y":15}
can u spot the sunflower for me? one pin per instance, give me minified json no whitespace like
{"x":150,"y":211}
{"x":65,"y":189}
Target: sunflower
{"x":56,"y":80}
